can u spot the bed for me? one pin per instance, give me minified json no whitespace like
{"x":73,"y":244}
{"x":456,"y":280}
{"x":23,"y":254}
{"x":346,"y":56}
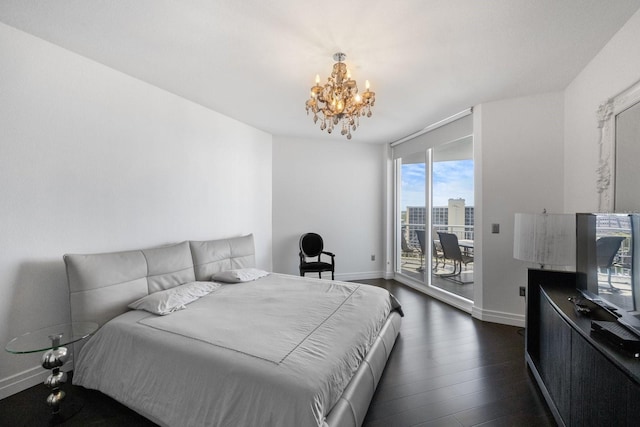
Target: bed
{"x":271,"y":350}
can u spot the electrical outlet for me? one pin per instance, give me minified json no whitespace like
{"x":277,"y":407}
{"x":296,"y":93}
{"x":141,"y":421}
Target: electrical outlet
{"x":523,"y":291}
{"x":495,"y":228}
{"x":373,"y":257}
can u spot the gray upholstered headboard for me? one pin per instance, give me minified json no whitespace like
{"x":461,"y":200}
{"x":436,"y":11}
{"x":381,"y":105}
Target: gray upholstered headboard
{"x":102,"y":285}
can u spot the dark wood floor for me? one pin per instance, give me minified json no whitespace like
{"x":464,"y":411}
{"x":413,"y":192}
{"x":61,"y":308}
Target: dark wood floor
{"x":446,"y":369}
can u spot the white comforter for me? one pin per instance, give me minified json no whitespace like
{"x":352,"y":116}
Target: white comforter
{"x":278,"y":351}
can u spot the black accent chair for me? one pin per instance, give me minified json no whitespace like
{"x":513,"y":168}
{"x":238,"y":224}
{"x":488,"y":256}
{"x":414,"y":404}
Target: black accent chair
{"x":311,"y":246}
{"x":451,"y":249}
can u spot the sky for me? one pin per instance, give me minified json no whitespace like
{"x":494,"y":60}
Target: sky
{"x":451,"y":180}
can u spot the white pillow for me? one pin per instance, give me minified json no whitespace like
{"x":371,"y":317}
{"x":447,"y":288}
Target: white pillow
{"x":239,"y":275}
{"x":174,"y":299}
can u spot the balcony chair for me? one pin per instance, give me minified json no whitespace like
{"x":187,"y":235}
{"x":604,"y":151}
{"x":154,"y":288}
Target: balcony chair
{"x":421,"y":239}
{"x":438,"y":253}
{"x":409,"y":250}
{"x":451,"y":249}
{"x":311,"y":246}
{"x":607,"y":248}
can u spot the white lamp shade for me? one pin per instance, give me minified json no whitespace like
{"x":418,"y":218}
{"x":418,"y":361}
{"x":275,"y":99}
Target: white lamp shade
{"x":545,"y":239}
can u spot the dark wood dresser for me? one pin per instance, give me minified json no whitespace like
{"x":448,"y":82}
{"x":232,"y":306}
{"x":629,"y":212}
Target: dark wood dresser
{"x":585,"y":379}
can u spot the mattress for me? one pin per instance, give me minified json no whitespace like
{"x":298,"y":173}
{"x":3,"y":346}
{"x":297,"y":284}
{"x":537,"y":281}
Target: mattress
{"x":278,"y":351}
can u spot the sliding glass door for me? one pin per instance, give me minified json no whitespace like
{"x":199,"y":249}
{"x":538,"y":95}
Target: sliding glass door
{"x":452,"y":207}
{"x":412,"y":196}
{"x":434,"y":194}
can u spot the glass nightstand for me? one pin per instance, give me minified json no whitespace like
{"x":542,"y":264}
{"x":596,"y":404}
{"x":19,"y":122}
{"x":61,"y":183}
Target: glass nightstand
{"x":52,"y":340}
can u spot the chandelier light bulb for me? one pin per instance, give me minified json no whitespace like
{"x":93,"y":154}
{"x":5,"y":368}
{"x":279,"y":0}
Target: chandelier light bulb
{"x":338,"y":99}
{"x":366,"y":84}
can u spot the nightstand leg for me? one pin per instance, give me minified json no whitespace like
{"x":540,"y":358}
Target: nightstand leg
{"x":53,"y":359}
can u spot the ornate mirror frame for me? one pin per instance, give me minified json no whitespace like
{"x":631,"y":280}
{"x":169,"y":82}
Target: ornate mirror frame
{"x":607,"y":112}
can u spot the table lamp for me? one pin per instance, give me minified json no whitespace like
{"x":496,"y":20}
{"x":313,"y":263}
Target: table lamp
{"x":548,"y":240}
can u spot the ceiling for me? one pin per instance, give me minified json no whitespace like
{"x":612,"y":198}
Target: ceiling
{"x":255,"y":60}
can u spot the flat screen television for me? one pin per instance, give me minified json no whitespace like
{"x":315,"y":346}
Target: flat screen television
{"x":608,"y":263}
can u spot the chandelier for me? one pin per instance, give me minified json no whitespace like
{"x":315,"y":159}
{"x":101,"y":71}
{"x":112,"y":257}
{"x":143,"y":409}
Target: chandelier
{"x":338,"y":100}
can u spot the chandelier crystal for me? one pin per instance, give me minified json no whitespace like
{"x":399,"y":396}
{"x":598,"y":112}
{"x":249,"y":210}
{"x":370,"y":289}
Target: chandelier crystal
{"x":339,"y":101}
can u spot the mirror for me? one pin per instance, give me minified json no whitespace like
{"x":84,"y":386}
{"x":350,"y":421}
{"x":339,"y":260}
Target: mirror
{"x":626,"y":195}
{"x":618,"y":171}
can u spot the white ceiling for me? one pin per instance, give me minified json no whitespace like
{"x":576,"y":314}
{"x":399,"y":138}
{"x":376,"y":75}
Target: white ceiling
{"x":255,"y":60}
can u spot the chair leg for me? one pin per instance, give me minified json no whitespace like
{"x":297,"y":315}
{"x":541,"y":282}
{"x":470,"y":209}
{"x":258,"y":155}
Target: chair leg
{"x":320,"y":274}
{"x":332,"y":278}
{"x":457,"y":268}
{"x":613,"y":288}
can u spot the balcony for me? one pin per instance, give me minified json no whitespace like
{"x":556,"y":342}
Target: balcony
{"x":413,"y":264}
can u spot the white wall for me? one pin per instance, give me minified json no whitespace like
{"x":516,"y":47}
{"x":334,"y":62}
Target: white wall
{"x":542,"y":152}
{"x":615,"y":68}
{"x":334,"y":188}
{"x":520,"y":167}
{"x":93,"y":160}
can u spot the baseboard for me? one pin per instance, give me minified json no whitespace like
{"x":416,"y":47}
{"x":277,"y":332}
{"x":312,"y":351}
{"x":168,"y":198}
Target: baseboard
{"x":27,"y":379}
{"x":22,"y":381}
{"x":501,"y":317}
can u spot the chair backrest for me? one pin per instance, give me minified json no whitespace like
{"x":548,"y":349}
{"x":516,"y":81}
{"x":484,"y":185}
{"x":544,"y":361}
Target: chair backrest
{"x":420,"y":236}
{"x":450,"y":246}
{"x":606,"y":249}
{"x":311,"y":244}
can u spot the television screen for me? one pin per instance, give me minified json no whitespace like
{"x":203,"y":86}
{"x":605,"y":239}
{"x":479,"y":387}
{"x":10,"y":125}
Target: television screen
{"x":607,"y":262}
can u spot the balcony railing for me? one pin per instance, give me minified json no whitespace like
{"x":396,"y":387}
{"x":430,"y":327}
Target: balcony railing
{"x":464,"y":232}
